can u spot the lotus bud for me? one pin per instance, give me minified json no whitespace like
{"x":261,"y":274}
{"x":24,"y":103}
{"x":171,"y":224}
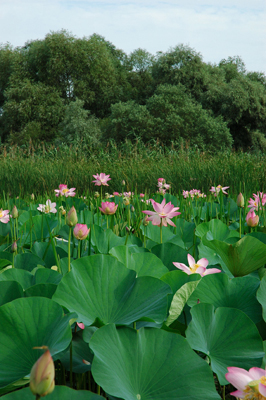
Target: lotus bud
{"x":42,"y":375}
{"x":123,"y":183}
{"x":107,"y":195}
{"x":252,"y":219}
{"x":126,"y":201}
{"x":96,"y":195}
{"x":240,"y":201}
{"x":14,"y":247}
{"x":14,"y":212}
{"x":32,"y":196}
{"x":72,"y":218}
{"x":132,"y":208}
{"x":144,"y":221}
{"x":81,"y":231}
{"x":62,"y":210}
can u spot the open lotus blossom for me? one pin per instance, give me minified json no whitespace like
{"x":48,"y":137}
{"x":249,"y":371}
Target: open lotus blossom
{"x":108,"y":208}
{"x":252,"y":219}
{"x":162,"y":214}
{"x":251,"y":385}
{"x":48,"y":207}
{"x":101,"y":179}
{"x":162,"y":184}
{"x":193,"y":193}
{"x":198,"y":267}
{"x":4,"y":216}
{"x":216,"y":190}
{"x":64,"y":191}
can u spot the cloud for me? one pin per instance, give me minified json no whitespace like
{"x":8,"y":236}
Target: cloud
{"x":233,"y":27}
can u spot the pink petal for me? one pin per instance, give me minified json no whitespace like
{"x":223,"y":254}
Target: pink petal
{"x":262,"y":389}
{"x":203,"y":262}
{"x":256,"y":373}
{"x":238,"y":377}
{"x":169,"y":222}
{"x":212,"y":271}
{"x":201,"y":271}
{"x":183,"y":267}
{"x":191,"y":261}
{"x":239,"y":394}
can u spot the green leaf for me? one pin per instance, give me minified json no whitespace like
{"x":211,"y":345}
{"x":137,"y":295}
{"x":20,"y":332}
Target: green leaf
{"x":241,"y":258}
{"x":169,"y":253}
{"x":227,"y":336}
{"x":10,"y":291}
{"x":41,"y":290}
{"x":153,"y":232}
{"x":220,"y":291}
{"x":104,"y":240}
{"x":24,"y":278}
{"x":261,"y":296}
{"x":26,"y":323}
{"x":60,"y":392}
{"x":149,"y":364}
{"x":179,"y":300}
{"x":27,"y":261}
{"x":100,"y":287}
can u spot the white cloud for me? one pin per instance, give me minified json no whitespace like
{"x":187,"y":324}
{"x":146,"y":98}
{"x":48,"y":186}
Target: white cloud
{"x":234,"y":27}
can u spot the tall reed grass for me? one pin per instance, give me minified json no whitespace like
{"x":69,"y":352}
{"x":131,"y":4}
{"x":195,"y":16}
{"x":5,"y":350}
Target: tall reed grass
{"x":26,"y":170}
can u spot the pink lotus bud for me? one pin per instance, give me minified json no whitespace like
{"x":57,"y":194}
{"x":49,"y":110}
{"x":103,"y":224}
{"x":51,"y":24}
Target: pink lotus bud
{"x":14,"y":247}
{"x":32,"y":196}
{"x":145,"y":222}
{"x":42,"y":375}
{"x":14,"y":212}
{"x":81,"y":231}
{"x":108,"y":208}
{"x":123,"y":183}
{"x":72,"y":218}
{"x":252,"y":219}
{"x":240,"y":201}
{"x":142,"y":195}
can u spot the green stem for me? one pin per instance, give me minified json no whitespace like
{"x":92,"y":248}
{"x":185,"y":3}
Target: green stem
{"x":240,"y":221}
{"x":79,"y":245}
{"x":69,"y":242}
{"x":161,"y":232}
{"x":71,"y":365}
{"x":106,"y":221}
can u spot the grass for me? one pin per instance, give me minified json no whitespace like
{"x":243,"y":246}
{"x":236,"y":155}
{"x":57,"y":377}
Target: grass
{"x":40,"y":170}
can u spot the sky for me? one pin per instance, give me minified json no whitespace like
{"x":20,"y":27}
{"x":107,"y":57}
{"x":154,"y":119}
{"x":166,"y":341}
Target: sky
{"x":217,"y":29}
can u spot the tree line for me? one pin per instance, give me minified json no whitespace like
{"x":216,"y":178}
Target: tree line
{"x":64,"y":89}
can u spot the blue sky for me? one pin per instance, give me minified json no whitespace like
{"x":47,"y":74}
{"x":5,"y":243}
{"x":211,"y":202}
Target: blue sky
{"x":217,"y":29}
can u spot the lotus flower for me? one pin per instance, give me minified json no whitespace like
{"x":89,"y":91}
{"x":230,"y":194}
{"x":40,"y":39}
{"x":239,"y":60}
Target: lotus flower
{"x":42,"y":375}
{"x":48,"y":207}
{"x":101,"y":179}
{"x":252,"y":219}
{"x":196,"y":268}
{"x":4,"y":216}
{"x":216,"y":190}
{"x":108,"y":208}
{"x":64,"y":191}
{"x":81,"y":231}
{"x":162,"y":214}
{"x":250,"y":384}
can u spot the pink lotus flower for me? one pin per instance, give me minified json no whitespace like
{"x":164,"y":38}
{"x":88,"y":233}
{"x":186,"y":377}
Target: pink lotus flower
{"x":48,"y":207}
{"x":250,"y":384}
{"x":162,"y":184}
{"x":4,"y":216}
{"x":81,"y":231}
{"x":81,"y":325}
{"x":216,"y":190}
{"x":116,"y":194}
{"x":252,"y":219}
{"x":141,"y":195}
{"x":108,"y":208}
{"x":64,"y":191}
{"x":162,"y":214}
{"x":196,"y":268}
{"x":101,"y":179}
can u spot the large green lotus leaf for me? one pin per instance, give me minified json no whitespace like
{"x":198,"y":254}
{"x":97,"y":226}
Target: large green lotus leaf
{"x":258,"y":235}
{"x":220,"y":291}
{"x":227,"y":336}
{"x":149,"y":364}
{"x":24,"y":216}
{"x":144,"y":263}
{"x":261,"y":296}
{"x":44,"y":250}
{"x":101,"y":287}
{"x":59,"y":393}
{"x":215,"y":229}
{"x":24,"y":324}
{"x":32,"y":229}
{"x":124,"y":253}
{"x":80,"y":351}
{"x":153,"y":232}
{"x":169,"y":253}
{"x":45,"y":275}
{"x":24,"y":278}
{"x":41,"y":290}
{"x":104,"y":240}
{"x":10,"y":291}
{"x":185,"y":230}
{"x":241,"y":258}
{"x":27,"y":261}
{"x":5,"y":230}
{"x":5,"y":259}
